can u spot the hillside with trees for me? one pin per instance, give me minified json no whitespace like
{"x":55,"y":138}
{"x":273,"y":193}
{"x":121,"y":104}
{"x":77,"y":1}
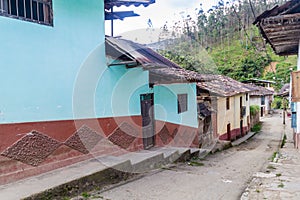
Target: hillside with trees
{"x":223,"y":40}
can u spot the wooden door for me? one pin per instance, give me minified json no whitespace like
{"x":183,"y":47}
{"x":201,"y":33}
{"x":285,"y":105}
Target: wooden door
{"x":241,"y":128}
{"x":228,"y":132}
{"x":147,"y":111}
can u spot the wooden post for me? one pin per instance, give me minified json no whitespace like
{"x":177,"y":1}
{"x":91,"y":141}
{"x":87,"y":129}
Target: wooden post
{"x":112,"y":22}
{"x":284,"y":110}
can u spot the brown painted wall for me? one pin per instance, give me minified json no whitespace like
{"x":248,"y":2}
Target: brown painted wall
{"x":28,"y":149}
{"x":169,"y":134}
{"x":234,"y":134}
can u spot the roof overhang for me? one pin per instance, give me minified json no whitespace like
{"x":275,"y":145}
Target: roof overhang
{"x":112,"y":3}
{"x":282,"y":33}
{"x":280,"y":27}
{"x":119,"y":15}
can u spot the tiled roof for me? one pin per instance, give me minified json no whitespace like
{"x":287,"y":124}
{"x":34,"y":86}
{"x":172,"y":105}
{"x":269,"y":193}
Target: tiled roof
{"x":223,"y":86}
{"x":259,"y":90}
{"x":285,"y":90}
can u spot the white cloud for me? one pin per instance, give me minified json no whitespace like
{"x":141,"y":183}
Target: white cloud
{"x":180,"y":3}
{"x":160,"y":12}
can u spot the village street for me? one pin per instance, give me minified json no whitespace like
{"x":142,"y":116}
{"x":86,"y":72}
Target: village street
{"x":224,"y":175}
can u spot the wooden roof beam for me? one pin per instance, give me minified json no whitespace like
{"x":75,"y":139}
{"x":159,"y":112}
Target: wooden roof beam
{"x":282,"y":33}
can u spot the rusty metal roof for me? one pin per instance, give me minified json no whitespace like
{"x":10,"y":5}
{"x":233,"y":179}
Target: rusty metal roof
{"x":280,"y":26}
{"x":161,"y":69}
{"x":111,"y":3}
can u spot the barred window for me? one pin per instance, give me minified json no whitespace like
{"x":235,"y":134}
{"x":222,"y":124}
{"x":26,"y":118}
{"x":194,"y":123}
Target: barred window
{"x":38,"y":11}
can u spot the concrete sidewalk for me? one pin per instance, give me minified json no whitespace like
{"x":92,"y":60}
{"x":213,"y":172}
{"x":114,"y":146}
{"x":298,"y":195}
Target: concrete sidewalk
{"x":280,"y":178}
{"x":243,"y":139}
{"x":94,"y":173}
{"x":99,"y":172}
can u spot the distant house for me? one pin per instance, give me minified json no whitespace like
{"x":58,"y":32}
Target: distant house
{"x":263,"y":83}
{"x":232,"y":106}
{"x":285,"y":90}
{"x":261,"y":97}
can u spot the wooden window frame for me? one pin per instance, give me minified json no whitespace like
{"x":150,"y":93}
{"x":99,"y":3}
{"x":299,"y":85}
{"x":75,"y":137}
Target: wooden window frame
{"x":41,"y":11}
{"x":182,"y":103}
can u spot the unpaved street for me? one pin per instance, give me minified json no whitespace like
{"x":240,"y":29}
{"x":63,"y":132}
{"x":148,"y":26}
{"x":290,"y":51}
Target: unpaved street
{"x":224,"y":175}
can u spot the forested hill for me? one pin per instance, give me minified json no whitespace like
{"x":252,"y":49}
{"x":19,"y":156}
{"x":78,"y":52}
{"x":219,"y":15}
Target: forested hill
{"x":224,"y":40}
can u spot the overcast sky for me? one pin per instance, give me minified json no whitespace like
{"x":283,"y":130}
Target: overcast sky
{"x":160,"y":12}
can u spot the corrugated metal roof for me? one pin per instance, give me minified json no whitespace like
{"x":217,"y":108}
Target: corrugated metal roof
{"x":280,"y":27}
{"x":119,"y":15}
{"x":161,"y":68}
{"x":254,"y":80}
{"x":111,"y":3}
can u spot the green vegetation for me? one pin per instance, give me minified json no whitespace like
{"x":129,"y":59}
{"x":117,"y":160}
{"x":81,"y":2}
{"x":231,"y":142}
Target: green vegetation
{"x":283,"y":141}
{"x":281,"y":185}
{"x":254,"y":109}
{"x":195,"y":163}
{"x":277,"y":103}
{"x":271,"y":167}
{"x":256,"y":128}
{"x":85,"y":195}
{"x":224,"y":41}
{"x":274,"y":156}
{"x":278,"y":175}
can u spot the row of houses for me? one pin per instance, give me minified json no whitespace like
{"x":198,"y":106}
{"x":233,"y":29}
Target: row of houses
{"x":69,"y":93}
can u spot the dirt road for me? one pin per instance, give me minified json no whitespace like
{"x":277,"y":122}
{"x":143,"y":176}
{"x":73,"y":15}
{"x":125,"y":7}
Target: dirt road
{"x":224,"y":175}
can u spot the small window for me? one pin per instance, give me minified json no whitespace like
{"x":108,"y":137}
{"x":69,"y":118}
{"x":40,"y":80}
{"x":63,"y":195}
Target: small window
{"x":263,"y":100}
{"x":38,"y":11}
{"x":227,"y":103}
{"x":247,"y":96}
{"x":182,"y":101}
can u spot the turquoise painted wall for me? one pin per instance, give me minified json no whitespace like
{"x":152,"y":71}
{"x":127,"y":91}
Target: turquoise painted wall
{"x":165,"y":99}
{"x":40,"y":65}
{"x":119,"y":90}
